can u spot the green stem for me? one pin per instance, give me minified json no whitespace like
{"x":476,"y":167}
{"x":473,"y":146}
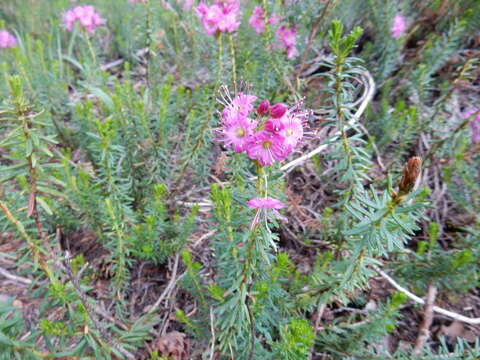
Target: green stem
{"x":90,"y":49}
{"x":219,"y":62}
{"x":37,"y":254}
{"x":234,"y":65}
{"x":272,"y":59}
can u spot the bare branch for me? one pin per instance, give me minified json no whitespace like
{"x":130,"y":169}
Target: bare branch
{"x":424,"y":331}
{"x":450,"y":314}
{"x":16,"y":278}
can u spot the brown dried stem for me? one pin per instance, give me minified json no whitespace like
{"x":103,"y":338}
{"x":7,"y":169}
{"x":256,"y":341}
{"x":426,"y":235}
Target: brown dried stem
{"x":424,"y":330}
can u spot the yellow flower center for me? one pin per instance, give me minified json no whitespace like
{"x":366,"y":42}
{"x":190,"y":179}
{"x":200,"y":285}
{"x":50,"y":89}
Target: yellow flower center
{"x":240,"y":132}
{"x":267,"y":144}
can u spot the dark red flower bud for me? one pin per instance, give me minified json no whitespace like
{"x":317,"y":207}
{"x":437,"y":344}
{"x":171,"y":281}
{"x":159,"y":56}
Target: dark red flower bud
{"x":263,"y":107}
{"x":278,"y":110}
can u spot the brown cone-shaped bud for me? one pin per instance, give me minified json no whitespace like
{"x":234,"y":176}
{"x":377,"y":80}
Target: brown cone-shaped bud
{"x":411,"y":171}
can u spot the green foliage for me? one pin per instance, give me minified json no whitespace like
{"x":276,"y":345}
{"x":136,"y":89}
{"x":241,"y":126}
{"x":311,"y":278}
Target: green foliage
{"x":108,"y":167}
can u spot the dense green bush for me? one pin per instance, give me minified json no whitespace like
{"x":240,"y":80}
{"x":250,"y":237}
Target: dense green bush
{"x":133,"y":216}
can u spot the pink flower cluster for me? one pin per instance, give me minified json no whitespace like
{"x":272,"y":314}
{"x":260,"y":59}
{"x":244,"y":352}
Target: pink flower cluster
{"x":86,"y":15}
{"x":7,"y":40}
{"x":271,"y":137}
{"x":286,"y":36}
{"x":399,"y":26}
{"x":288,"y":39}
{"x":474,"y":124}
{"x":259,"y":21}
{"x":222,"y":16}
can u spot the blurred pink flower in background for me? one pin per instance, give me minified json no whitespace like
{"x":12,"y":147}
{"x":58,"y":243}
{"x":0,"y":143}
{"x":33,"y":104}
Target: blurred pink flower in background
{"x":222,"y":16}
{"x":7,"y":40}
{"x":474,"y":124}
{"x":288,"y":39}
{"x":187,"y":4}
{"x":86,"y":16}
{"x":399,"y":26}
{"x":137,"y":1}
{"x":257,"y":20}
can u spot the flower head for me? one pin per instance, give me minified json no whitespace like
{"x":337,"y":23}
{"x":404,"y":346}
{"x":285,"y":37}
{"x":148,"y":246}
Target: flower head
{"x":265,"y":203}
{"x":7,"y":40}
{"x":242,"y":105}
{"x":287,"y":40}
{"x":237,"y":132}
{"x":271,"y":137}
{"x":257,"y":20}
{"x":86,"y":16}
{"x":266,"y":148}
{"x":399,"y":26}
{"x":187,"y":4}
{"x":222,"y":16}
{"x":292,"y":131}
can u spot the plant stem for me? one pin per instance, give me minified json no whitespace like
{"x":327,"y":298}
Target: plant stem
{"x":90,"y":49}
{"x":234,"y":66}
{"x":37,"y":254}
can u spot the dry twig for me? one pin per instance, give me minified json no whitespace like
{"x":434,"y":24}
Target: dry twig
{"x":171,"y":285}
{"x":450,"y":314}
{"x":320,"y":310}
{"x":16,"y":278}
{"x":424,"y":331}
{"x":212,"y":330}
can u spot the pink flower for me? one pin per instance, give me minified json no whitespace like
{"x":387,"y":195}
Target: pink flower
{"x":223,"y":16}
{"x":86,"y":16}
{"x":271,"y":140}
{"x":266,"y":148}
{"x":187,"y":4}
{"x":274,"y":125}
{"x":237,"y":133}
{"x":7,"y":40}
{"x":137,"y":1}
{"x":265,"y":203}
{"x":288,"y":40}
{"x":291,"y":131}
{"x":257,"y":20}
{"x":474,"y":124}
{"x":399,"y":26}
{"x":241,"y":104}
{"x":274,"y":19}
